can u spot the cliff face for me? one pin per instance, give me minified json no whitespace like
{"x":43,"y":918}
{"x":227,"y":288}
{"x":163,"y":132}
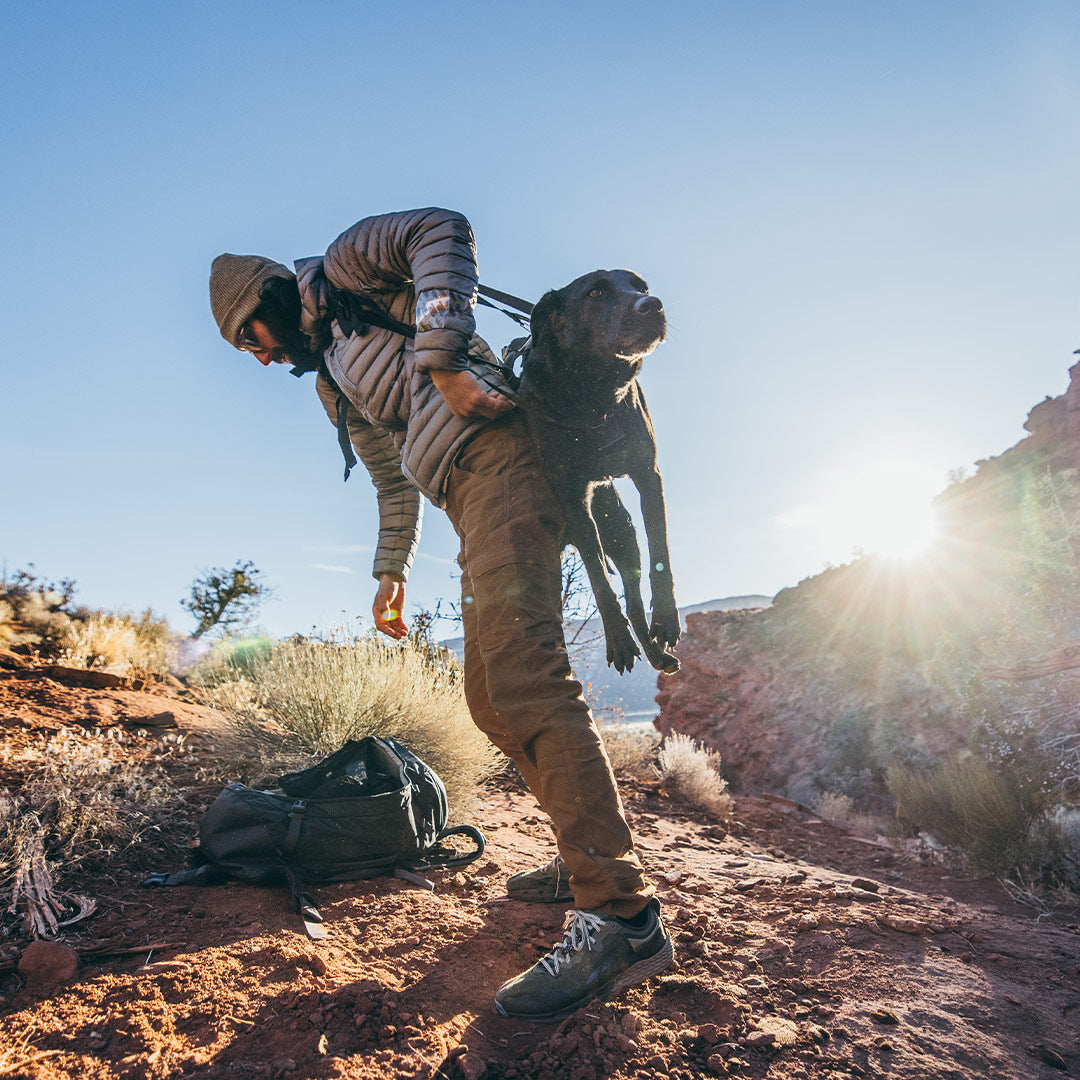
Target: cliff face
{"x":875,"y":663}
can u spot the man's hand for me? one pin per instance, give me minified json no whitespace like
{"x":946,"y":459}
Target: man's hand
{"x":388,"y":606}
{"x":466,"y":396}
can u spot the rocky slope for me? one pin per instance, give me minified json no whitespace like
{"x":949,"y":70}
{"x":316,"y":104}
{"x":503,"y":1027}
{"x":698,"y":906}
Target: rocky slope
{"x":878,"y":663}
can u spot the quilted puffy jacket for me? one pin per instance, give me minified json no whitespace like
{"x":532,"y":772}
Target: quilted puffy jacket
{"x":400,"y":425}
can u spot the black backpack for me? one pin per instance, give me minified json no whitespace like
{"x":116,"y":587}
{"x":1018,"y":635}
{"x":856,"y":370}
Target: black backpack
{"x":370,"y":809}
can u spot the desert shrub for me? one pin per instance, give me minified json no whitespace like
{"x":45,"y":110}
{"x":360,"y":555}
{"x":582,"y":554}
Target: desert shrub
{"x":86,"y":800}
{"x":692,"y":773}
{"x":43,"y":620}
{"x":39,"y":613}
{"x":840,"y":810}
{"x":120,"y":643}
{"x":833,"y":806}
{"x":308,"y":697}
{"x":631,"y":748}
{"x":1001,"y":824}
{"x":859,"y":748}
{"x":8,"y":629}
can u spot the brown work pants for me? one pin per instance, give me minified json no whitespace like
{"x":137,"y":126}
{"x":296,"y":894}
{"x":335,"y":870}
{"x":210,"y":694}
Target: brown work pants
{"x":518,"y":682}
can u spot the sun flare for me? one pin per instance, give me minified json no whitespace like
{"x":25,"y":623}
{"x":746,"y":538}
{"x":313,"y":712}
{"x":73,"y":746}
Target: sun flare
{"x":883,"y":508}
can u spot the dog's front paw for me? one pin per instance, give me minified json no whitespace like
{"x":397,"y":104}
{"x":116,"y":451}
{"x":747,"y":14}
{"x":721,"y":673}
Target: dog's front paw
{"x":665,"y":629}
{"x":622,"y":649}
{"x":664,"y":662}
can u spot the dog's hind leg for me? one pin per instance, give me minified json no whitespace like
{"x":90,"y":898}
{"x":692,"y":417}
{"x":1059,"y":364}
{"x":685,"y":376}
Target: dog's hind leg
{"x":619,"y":540}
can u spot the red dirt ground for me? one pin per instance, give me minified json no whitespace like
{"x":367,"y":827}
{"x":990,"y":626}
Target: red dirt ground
{"x":803,"y":950}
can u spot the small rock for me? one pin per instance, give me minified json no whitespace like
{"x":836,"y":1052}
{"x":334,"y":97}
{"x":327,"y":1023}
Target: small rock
{"x":472,"y":1066}
{"x":673,"y":877}
{"x":758,"y":1039}
{"x":749,"y":883}
{"x":318,"y":965}
{"x":1052,"y":1058}
{"x":709,"y":1033}
{"x":161,"y":719}
{"x":865,"y":883}
{"x":884,"y":1016}
{"x":716,"y":1064}
{"x":902,"y":924}
{"x":47,"y":965}
{"x":807,"y":922}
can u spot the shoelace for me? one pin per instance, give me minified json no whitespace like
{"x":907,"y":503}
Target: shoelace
{"x":581,"y":929}
{"x":555,"y":867}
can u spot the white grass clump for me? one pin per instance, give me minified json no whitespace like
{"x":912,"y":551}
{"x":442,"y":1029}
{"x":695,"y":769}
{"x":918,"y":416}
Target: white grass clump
{"x":691,"y":773}
{"x":107,"y":642}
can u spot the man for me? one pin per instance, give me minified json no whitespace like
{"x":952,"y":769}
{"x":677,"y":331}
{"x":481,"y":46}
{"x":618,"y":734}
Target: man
{"x":427,"y":416}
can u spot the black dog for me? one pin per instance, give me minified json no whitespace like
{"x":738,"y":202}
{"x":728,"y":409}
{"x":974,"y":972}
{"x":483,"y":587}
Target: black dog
{"x":587,"y":415}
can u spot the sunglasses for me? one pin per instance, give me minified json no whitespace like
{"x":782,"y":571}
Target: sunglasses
{"x":247,"y":341}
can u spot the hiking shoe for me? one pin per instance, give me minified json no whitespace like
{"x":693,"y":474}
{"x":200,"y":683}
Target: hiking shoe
{"x":545,"y":885}
{"x":599,"y":957}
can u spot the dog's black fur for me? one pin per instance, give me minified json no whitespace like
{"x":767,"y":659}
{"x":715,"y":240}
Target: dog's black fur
{"x":587,"y":415}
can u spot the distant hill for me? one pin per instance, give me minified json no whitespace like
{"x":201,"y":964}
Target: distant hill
{"x":630,"y":695}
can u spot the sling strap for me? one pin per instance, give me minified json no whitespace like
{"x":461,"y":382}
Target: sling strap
{"x":356,"y":314}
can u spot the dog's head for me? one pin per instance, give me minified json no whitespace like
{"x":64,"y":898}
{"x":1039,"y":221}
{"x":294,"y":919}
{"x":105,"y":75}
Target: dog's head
{"x":603,"y":318}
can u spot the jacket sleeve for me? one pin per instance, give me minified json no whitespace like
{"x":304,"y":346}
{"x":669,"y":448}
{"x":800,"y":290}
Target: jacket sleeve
{"x":401,"y":506}
{"x":430,"y":252}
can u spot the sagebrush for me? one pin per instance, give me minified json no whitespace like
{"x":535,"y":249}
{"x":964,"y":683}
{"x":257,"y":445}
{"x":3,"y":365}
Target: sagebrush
{"x":306,"y":698}
{"x":692,"y":773}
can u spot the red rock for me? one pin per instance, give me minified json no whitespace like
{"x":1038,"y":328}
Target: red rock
{"x":48,"y":965}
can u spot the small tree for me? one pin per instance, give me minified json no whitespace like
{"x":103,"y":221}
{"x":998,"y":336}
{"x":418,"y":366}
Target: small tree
{"x":226,"y":598}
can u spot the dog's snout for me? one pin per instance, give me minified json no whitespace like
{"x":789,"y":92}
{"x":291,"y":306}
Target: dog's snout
{"x":648,"y":305}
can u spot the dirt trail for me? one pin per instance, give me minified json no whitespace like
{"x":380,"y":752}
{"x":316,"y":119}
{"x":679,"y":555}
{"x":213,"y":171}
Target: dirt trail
{"x":803,"y":950}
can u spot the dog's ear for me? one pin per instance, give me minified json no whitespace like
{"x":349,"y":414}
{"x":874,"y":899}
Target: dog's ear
{"x":546,"y":321}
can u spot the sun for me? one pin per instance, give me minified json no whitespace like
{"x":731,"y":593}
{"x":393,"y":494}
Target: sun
{"x":884,"y":508}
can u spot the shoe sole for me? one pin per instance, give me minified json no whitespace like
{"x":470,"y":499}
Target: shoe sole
{"x":636,"y":973}
{"x":558,"y":898}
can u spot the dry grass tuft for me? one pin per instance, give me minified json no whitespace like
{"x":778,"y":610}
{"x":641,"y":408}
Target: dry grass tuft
{"x":85,"y":799}
{"x":692,"y":774}
{"x":631,"y":748}
{"x":309,"y":697}
{"x":977,"y":809}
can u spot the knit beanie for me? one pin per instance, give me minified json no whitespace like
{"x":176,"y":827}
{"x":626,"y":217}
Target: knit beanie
{"x":235,"y":284}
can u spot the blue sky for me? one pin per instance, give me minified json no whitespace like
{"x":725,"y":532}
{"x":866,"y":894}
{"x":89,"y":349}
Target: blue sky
{"x":862,"y":219}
